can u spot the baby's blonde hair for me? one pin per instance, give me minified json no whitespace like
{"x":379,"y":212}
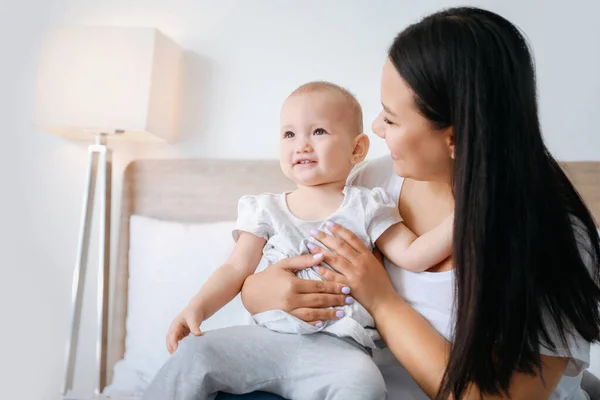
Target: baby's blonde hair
{"x":353,"y":105}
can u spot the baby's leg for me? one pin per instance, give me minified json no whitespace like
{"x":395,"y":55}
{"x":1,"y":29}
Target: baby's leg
{"x":234,"y":360}
{"x":329,"y":368}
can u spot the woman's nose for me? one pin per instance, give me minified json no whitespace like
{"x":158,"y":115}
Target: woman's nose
{"x":377,"y":127}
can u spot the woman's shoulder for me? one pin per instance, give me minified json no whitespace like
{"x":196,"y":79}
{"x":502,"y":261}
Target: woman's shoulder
{"x":378,"y":172}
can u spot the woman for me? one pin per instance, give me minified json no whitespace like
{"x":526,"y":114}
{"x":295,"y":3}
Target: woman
{"x":460,"y":119}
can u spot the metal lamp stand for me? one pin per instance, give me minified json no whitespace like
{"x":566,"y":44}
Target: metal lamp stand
{"x":99,"y":173}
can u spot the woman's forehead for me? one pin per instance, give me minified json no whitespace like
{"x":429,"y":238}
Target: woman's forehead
{"x":396,"y":95}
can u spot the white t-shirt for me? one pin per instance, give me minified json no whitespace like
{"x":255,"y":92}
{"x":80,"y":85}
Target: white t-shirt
{"x":432,"y":295}
{"x":366,"y":212}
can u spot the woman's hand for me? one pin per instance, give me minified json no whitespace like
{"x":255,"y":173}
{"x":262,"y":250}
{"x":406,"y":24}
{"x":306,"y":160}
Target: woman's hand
{"x":358,"y":268}
{"x":278,"y":288}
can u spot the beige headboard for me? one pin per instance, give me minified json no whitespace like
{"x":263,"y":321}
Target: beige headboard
{"x":208,"y":190}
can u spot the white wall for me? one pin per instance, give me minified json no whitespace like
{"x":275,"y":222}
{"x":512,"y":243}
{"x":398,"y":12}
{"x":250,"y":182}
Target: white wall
{"x":243,"y":58}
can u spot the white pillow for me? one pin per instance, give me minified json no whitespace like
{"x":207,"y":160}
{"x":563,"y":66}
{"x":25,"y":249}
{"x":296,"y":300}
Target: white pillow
{"x":168,"y":263}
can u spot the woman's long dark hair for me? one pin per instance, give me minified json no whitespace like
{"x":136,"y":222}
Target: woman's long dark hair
{"x":522,"y":270}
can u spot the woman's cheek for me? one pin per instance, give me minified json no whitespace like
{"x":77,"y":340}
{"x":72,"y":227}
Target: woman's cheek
{"x":395,"y":147}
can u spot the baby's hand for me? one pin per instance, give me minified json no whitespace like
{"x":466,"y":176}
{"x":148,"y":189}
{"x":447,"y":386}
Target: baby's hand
{"x":188,"y":321}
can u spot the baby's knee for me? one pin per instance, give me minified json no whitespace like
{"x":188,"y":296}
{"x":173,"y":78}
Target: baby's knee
{"x":365,"y":382}
{"x":198,"y":352}
{"x":198,"y":344}
{"x":373,"y":391}
{"x":364,"y":390}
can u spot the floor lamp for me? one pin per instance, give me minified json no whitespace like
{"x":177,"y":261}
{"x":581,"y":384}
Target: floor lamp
{"x":104,"y":84}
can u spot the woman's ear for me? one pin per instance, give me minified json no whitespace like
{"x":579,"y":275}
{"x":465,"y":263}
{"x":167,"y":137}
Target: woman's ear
{"x":361,"y":148}
{"x":449,"y":138}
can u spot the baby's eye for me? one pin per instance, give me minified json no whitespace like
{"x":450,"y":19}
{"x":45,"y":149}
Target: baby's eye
{"x":288,"y":134}
{"x":387,"y":121}
{"x":320,"y":131}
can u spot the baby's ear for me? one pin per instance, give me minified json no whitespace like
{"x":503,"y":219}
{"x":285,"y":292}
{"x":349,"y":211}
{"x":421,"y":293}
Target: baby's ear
{"x":361,"y":148}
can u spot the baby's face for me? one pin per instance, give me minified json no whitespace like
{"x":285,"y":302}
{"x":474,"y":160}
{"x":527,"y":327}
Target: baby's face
{"x":317,"y":137}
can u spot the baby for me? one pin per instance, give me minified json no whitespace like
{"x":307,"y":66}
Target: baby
{"x":321,"y":140}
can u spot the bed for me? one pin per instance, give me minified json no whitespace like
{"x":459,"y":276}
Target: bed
{"x":204,"y":191}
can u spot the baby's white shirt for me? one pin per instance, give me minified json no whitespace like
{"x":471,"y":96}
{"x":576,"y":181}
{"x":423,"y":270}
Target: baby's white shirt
{"x":366,"y":212}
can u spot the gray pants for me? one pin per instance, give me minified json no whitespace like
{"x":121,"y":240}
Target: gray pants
{"x":248,"y":358}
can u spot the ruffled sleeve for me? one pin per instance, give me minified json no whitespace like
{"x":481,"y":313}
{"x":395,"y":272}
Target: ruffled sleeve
{"x":382,"y":212}
{"x":252,"y":218}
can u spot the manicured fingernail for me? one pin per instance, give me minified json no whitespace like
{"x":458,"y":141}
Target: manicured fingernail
{"x":318,"y":256}
{"x":314,"y":232}
{"x":346,"y":290}
{"x":316,"y":268}
{"x":319,"y":324}
{"x":339,"y":313}
{"x":349,"y":300}
{"x":311,"y":246}
{"x":329,"y":223}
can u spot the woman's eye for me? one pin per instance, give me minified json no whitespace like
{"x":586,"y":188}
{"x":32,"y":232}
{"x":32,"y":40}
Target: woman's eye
{"x":320,"y":131}
{"x":288,"y":134}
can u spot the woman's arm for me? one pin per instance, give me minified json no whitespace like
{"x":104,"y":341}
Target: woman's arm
{"x":405,"y":249}
{"x":278,"y":288}
{"x":423,"y":352}
{"x":414,"y":342}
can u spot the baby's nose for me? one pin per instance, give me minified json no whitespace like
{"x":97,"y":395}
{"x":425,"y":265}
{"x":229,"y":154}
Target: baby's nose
{"x":304,"y":147}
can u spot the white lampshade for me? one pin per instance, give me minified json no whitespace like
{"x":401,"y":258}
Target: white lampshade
{"x":109,"y":79}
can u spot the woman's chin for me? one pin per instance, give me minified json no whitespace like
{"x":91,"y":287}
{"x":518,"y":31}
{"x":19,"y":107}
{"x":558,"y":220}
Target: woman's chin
{"x":400,"y":169}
